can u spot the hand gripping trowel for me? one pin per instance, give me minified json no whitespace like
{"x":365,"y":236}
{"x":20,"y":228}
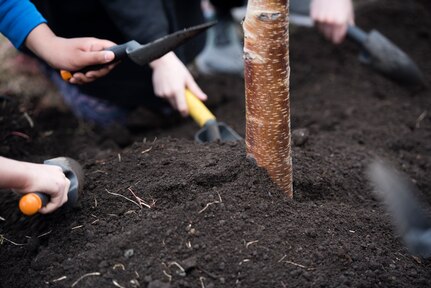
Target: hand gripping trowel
{"x":377,"y":51}
{"x":30,"y":203}
{"x":144,"y":54}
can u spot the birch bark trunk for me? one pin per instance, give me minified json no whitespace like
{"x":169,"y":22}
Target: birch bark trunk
{"x":267,"y":72}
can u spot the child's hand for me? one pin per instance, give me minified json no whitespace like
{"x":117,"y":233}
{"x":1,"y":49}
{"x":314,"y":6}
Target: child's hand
{"x":332,"y":18}
{"x":71,"y":54}
{"x":48,"y":179}
{"x":78,"y":53}
{"x":171,"y":78}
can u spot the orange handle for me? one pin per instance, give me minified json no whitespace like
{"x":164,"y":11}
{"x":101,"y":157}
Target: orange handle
{"x":65,"y":75}
{"x":30,"y":203}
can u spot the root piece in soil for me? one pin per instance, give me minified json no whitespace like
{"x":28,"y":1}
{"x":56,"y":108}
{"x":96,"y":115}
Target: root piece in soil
{"x":29,"y":120}
{"x":122,"y":196}
{"x":211,"y":203}
{"x":116,"y":284}
{"x":85,"y":276}
{"x":3,"y":239}
{"x":59,"y":279}
{"x":142,"y":202}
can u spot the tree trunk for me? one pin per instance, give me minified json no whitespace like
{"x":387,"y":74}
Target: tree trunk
{"x":267,"y":71}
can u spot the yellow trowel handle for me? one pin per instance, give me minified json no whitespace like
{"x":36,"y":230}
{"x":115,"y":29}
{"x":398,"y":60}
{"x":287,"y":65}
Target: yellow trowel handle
{"x":198,"y":111}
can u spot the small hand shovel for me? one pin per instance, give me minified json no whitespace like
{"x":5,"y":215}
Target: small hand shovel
{"x":144,"y":54}
{"x":30,"y":203}
{"x":211,"y":130}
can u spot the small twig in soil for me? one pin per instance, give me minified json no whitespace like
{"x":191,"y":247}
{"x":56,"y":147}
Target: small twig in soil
{"x":182,"y":272}
{"x":119,"y":266}
{"x":84,"y":276}
{"x":142,"y":202}
{"x":2,"y":239}
{"x":44,"y":234}
{"x":59,"y":279}
{"x":95,"y":221}
{"x":147,"y":150}
{"x":119,"y":157}
{"x":417,"y":259}
{"x":77,"y":227}
{"x":128,"y":199}
{"x":282,"y":258}
{"x":47,"y":133}
{"x":95,"y":202}
{"x":251,"y":242}
{"x":211,"y":203}
{"x":2,"y":219}
{"x":29,"y":120}
{"x":116,"y":284}
{"x":284,"y":285}
{"x":244,"y":261}
{"x":168,"y":275}
{"x":295,"y":264}
{"x":420,"y":119}
{"x":201,"y":279}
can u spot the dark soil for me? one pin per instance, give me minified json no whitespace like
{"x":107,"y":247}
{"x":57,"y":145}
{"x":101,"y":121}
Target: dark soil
{"x":215,"y":219}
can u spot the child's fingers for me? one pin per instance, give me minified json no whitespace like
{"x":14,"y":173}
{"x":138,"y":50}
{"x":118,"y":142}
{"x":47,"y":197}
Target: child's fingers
{"x":99,"y":44}
{"x":88,"y":58}
{"x":180,"y":97}
{"x":80,"y":78}
{"x":101,"y":72}
{"x":52,"y":206}
{"x":57,"y":200}
{"x":195,"y":89}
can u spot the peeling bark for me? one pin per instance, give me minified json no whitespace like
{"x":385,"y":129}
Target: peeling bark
{"x":267,"y":71}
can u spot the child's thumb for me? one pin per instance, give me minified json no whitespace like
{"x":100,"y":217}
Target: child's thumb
{"x":97,"y":57}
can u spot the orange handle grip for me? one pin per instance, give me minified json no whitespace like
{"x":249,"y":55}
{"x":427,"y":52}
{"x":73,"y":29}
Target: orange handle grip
{"x":65,"y":75}
{"x":30,"y":203}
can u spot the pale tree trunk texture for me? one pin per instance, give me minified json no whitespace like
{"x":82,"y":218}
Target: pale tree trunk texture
{"x":267,"y":71}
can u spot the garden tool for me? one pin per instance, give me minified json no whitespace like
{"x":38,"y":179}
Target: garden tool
{"x":143,"y":54}
{"x":378,"y":52}
{"x":30,"y":203}
{"x":211,"y":130}
{"x":397,"y":193}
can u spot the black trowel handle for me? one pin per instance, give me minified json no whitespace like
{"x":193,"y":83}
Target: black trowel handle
{"x":120,"y":52}
{"x":357,"y":34}
{"x":213,"y":130}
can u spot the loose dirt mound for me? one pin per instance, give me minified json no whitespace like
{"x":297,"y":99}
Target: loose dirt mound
{"x":209,"y":217}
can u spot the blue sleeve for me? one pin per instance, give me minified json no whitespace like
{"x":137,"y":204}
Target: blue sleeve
{"x":17,"y":19}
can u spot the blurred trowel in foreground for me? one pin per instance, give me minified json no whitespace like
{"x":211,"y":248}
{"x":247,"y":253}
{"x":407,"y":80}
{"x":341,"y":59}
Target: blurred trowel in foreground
{"x":30,"y":203}
{"x":398,"y":194}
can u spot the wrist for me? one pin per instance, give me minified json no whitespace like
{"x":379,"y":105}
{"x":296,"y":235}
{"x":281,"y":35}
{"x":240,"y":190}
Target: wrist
{"x":41,"y":42}
{"x":162,"y":60}
{"x":15,"y":174}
